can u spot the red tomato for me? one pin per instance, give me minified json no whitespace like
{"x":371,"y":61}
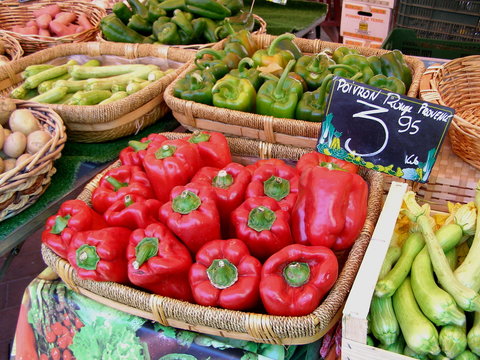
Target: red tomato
{"x":44,"y":357}
{"x":64,"y":341}
{"x":50,"y":336}
{"x":67,"y":321}
{"x":78,"y":323}
{"x":55,"y":354}
{"x":67,"y":355}
{"x":58,"y":328}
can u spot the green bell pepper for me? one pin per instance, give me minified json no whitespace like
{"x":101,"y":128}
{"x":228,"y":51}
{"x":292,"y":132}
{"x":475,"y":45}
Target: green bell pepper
{"x":390,"y":83}
{"x":233,"y":5}
{"x":233,"y":93}
{"x":236,"y":48}
{"x":113,"y":29}
{"x":341,"y":51}
{"x":198,"y":26}
{"x":208,"y":8}
{"x":209,"y":33}
{"x":264,"y":57}
{"x":122,"y":11}
{"x":140,"y":25}
{"x":251,"y":74}
{"x":155,"y":12}
{"x":243,"y":21}
{"x":219,"y":63}
{"x":313,"y":69}
{"x":394,"y":64}
{"x":182,"y":22}
{"x":195,"y":86}
{"x":167,"y":33}
{"x":311,"y":106}
{"x":138,"y":8}
{"x":353,"y":66}
{"x":243,"y":37}
{"x":171,"y":5}
{"x":279,"y":98}
{"x":375,"y":64}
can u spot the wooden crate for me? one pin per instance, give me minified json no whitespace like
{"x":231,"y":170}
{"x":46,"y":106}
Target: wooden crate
{"x":357,"y":306}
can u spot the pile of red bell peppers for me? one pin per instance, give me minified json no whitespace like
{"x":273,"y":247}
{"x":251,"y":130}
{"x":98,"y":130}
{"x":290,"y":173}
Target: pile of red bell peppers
{"x":180,"y":219}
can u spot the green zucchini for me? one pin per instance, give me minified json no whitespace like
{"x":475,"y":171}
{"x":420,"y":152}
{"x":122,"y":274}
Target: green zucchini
{"x":410,"y":353}
{"x":48,"y":84}
{"x":119,"y":87}
{"x":452,"y":340}
{"x":393,"y":254}
{"x":383,"y":323}
{"x":65,"y":99}
{"x":370,"y":341}
{"x":20,"y":92}
{"x":51,"y":96}
{"x":438,"y":357}
{"x":92,"y":62}
{"x":391,"y":281}
{"x":467,"y":355}
{"x":437,"y":304}
{"x":155,"y":75}
{"x":134,"y":86}
{"x":91,"y":97}
{"x":72,"y":85}
{"x":35,"y":69}
{"x":397,"y":347}
{"x":473,"y":336}
{"x":79,"y":72}
{"x":124,"y":79}
{"x":419,"y":333}
{"x":452,"y":258}
{"x":33,"y":81}
{"x":115,"y":96}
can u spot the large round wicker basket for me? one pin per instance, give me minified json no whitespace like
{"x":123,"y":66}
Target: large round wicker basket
{"x":457,"y":84}
{"x":21,"y":186}
{"x":13,"y":49}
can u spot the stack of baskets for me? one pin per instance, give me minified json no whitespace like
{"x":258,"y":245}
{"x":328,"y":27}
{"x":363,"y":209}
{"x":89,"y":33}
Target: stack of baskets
{"x":21,"y":186}
{"x":13,"y":12}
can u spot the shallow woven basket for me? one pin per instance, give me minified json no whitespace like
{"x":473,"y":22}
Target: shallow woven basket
{"x":236,"y":324}
{"x":457,"y":84}
{"x":301,"y":133}
{"x":261,"y":30}
{"x":13,"y":49}
{"x":98,"y":123}
{"x":21,"y":186}
{"x":14,"y":13}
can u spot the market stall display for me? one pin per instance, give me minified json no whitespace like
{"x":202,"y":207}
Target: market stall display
{"x":32,"y":138}
{"x":10,"y":48}
{"x":102,"y":122}
{"x":276,"y":102}
{"x":453,"y":84}
{"x":238,"y":324}
{"x":15,"y":17}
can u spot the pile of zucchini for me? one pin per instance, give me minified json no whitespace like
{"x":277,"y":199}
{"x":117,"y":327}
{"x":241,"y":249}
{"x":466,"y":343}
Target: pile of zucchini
{"x":426,"y":303}
{"x":86,"y":84}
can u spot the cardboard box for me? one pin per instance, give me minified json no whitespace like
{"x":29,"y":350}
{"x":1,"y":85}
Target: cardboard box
{"x":385,"y":3}
{"x":352,"y":41}
{"x":365,"y":21}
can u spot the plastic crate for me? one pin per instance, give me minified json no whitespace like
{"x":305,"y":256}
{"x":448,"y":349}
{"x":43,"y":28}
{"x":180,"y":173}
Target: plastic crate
{"x":407,"y":41}
{"x":451,"y":20}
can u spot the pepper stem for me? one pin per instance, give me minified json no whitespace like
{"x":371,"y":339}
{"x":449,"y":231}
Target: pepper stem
{"x":138,"y":145}
{"x":199,"y":137}
{"x":296,"y":273}
{"x":87,"y":257}
{"x":242,"y":65}
{"x":323,"y":89}
{"x":216,"y":54}
{"x":61,"y":222}
{"x":186,"y":202}
{"x":223,"y":180}
{"x":276,"y":187}
{"x":272,"y":48}
{"x":117,"y":185}
{"x":261,"y":218}
{"x":128,"y":200}
{"x":145,"y":249}
{"x":222,"y":273}
{"x":226,"y":89}
{"x":278,"y":92}
{"x":331,"y":166}
{"x":314,"y":65}
{"x":165,"y":151}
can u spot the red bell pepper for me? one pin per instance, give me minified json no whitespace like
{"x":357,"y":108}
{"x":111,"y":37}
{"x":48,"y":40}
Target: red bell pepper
{"x":225,"y":275}
{"x":133,"y":212}
{"x":258,"y":163}
{"x":72,"y":217}
{"x":192,"y":215}
{"x":172,"y":164}
{"x":134,"y":153}
{"x":212,"y":147}
{"x":320,"y":214}
{"x":100,"y":255}
{"x":314,"y":158}
{"x":279,"y":182}
{"x":117,"y":183}
{"x":159,"y":262}
{"x":229,"y":185}
{"x":296,"y":278}
{"x":262,"y":225}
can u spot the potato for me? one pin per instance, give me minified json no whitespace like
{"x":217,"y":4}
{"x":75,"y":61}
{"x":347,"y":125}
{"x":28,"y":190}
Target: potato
{"x":2,"y":136}
{"x":7,"y":106}
{"x":8,"y":164}
{"x":6,"y":132}
{"x":15,"y":144}
{"x":24,"y":121}
{"x":36,"y":140}
{"x":22,"y":158}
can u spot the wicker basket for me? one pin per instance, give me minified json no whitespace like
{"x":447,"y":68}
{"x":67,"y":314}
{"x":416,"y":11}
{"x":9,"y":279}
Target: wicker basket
{"x":235,"y":324}
{"x":21,"y":186}
{"x":261,"y":30}
{"x":457,"y":84}
{"x":14,"y":13}
{"x":12,"y":46}
{"x":100,"y":123}
{"x":194,"y":115}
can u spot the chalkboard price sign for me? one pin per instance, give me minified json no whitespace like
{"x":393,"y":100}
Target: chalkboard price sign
{"x":381,"y":130}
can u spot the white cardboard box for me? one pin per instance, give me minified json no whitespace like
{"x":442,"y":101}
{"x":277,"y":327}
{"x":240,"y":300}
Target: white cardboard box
{"x":352,"y":41}
{"x":365,"y":21}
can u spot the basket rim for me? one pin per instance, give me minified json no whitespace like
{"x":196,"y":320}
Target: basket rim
{"x":14,"y":48}
{"x":330,"y":302}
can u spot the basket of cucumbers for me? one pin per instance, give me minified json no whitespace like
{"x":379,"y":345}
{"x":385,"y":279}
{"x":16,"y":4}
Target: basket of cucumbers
{"x":102,"y":90}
